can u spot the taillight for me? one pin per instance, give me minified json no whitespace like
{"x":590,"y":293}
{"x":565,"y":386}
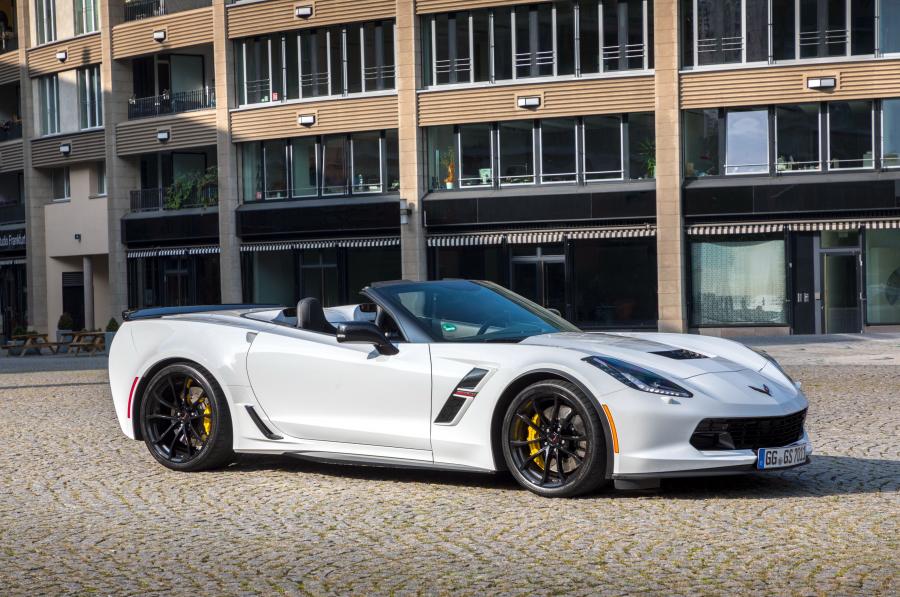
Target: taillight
{"x":131,"y":395}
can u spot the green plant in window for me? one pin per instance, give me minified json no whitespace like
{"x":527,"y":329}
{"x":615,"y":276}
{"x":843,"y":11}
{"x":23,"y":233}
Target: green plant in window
{"x":199,"y":189}
{"x":647,"y":155}
{"x":448,"y":164}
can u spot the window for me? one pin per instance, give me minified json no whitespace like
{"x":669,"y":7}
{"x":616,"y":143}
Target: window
{"x":334,"y":164}
{"x":889,"y":27}
{"x":59,"y":184}
{"x":602,"y":147}
{"x":304,"y":167}
{"x":316,"y":62}
{"x":516,"y":152}
{"x":86,"y":16}
{"x":797,"y":144}
{"x":48,"y":94}
{"x":89,"y":97}
{"x":392,"y":159}
{"x":850,"y":135}
{"x":882,"y":277}
{"x":701,"y":143}
{"x":558,"y":150}
{"x":45,"y":20}
{"x":319,"y":275}
{"x":274,"y":277}
{"x":538,"y":40}
{"x":823,"y":28}
{"x":441,"y":142}
{"x":890,"y":122}
{"x":738,"y":283}
{"x":275,"y":163}
{"x":719,"y":29}
{"x":251,"y":172}
{"x":747,"y":141}
{"x":642,"y":145}
{"x":366,"y":148}
{"x":476,"y":144}
{"x":100,"y":179}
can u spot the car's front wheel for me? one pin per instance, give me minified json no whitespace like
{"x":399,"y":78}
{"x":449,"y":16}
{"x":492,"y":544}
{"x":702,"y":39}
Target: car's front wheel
{"x":553,"y":440}
{"x":185,"y":420}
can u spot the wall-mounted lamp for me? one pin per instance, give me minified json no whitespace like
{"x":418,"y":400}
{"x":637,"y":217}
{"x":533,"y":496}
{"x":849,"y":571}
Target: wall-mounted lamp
{"x":163,"y":136}
{"x":821,"y":83}
{"x":529,"y":102}
{"x":78,"y":236}
{"x":65,"y":148}
{"x":405,"y":210}
{"x":62,"y":55}
{"x":159,"y":35}
{"x":306,"y":119}
{"x":303,"y":12}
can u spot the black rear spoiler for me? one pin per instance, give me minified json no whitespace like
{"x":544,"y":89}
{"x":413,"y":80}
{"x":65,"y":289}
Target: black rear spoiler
{"x":157,"y":312}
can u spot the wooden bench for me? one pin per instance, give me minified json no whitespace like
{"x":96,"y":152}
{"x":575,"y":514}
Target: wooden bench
{"x":86,"y":342}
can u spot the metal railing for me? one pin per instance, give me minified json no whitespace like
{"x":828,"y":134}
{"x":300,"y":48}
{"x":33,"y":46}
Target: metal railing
{"x":136,"y":10}
{"x":162,"y":199}
{"x":11,"y":213}
{"x":171,"y":103}
{"x":10,"y":130}
{"x":8,"y":40}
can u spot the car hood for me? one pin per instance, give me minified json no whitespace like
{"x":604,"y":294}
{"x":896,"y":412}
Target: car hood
{"x":641,"y":349}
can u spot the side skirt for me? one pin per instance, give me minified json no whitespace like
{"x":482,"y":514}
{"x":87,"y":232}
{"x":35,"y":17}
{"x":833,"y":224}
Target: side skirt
{"x":375,"y":461}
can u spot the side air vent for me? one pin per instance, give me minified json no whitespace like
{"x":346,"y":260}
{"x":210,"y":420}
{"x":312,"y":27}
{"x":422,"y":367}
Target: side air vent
{"x":464,"y":391}
{"x":681,"y":354}
{"x":260,"y":425}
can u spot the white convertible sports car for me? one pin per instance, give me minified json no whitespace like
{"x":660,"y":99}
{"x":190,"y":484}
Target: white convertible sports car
{"x":453,"y":374}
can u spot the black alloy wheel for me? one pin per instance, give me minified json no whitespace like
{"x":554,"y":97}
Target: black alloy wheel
{"x":553,"y":440}
{"x":185,"y":420}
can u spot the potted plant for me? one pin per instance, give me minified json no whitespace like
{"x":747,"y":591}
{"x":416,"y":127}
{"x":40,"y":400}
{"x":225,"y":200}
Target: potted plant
{"x":647,"y":153}
{"x":17,"y":331}
{"x":448,"y":162}
{"x":64,"y":331}
{"x":111,"y":328}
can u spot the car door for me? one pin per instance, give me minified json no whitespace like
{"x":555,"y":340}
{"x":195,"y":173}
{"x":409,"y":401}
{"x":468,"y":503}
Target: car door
{"x":312,"y":387}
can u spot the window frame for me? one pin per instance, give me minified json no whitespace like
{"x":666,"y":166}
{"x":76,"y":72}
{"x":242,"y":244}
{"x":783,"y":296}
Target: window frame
{"x":881,"y":139}
{"x":819,"y":162}
{"x":62,"y":171}
{"x":873,"y":112}
{"x":48,"y":96}
{"x":45,"y":21}
{"x":90,"y":98}
{"x":87,"y":14}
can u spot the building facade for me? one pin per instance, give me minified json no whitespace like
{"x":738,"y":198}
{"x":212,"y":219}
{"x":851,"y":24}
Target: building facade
{"x":723,"y":166}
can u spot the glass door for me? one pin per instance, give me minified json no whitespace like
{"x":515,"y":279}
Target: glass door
{"x":841,"y":311}
{"x":539,"y":274}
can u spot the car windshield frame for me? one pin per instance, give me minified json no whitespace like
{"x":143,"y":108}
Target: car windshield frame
{"x":387,"y":295}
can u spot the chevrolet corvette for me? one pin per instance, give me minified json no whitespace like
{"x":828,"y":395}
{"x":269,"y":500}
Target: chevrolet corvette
{"x":453,"y":375}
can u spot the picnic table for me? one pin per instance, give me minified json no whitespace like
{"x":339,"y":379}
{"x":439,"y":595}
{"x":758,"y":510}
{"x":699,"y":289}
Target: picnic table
{"x":89,"y":342}
{"x":32,"y":341}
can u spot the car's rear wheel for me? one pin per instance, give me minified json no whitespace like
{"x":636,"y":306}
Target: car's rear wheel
{"x":553,"y":440}
{"x":185,"y":420}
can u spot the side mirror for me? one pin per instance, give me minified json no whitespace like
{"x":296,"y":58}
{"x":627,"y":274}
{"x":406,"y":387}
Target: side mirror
{"x":363,"y":332}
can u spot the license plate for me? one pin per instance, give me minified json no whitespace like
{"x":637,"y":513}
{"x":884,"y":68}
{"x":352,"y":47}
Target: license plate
{"x":780,"y":457}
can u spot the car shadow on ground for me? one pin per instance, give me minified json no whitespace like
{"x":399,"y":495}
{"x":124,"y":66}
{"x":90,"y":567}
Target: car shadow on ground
{"x":824,"y":476}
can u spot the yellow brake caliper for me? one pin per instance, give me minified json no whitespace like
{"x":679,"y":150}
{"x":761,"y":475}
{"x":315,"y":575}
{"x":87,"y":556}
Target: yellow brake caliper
{"x":207,"y":411}
{"x":533,"y":436}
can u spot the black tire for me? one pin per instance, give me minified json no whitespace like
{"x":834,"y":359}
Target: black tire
{"x":553,"y":440}
{"x":185,"y":419}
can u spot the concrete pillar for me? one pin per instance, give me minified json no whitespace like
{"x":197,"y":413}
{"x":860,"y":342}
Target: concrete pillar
{"x":412,"y":235}
{"x":229,"y":243}
{"x":121,"y":175}
{"x":669,"y":222}
{"x":87,"y":269}
{"x":37,"y":187}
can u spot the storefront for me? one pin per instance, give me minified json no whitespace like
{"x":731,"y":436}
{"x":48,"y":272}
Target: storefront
{"x":13,"y":284}
{"x":798,"y":277}
{"x":332,"y":270}
{"x":600,"y":278}
{"x":173,"y":276}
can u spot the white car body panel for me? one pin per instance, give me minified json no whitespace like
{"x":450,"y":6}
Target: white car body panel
{"x":324,"y":397}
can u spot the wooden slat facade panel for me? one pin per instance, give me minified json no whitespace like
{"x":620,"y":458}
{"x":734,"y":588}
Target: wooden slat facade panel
{"x":773,"y":85}
{"x":192,"y":129}
{"x":271,"y":16}
{"x":432,"y":6}
{"x":332,"y":116}
{"x":9,"y":67}
{"x":86,"y":147}
{"x":183,"y":30}
{"x":11,"y":156}
{"x":82,"y":50}
{"x":571,"y":98}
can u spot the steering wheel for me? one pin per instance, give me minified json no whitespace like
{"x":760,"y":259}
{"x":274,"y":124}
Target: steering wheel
{"x":484,"y":327}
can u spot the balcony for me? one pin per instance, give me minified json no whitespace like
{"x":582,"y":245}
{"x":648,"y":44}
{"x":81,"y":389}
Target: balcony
{"x":171,"y":103}
{"x":145,"y":9}
{"x":12,"y":213}
{"x":10,"y":130}
{"x":175,"y":197}
{"x":8,"y":40}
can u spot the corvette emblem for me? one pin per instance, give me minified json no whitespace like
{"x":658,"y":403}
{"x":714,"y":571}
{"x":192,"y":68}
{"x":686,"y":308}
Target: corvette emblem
{"x":763,"y":390}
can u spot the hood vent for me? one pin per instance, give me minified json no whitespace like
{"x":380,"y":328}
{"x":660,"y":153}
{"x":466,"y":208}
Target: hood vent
{"x":681,"y":354}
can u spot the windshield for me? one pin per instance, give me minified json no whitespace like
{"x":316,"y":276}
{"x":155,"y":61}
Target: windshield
{"x":464,"y":311}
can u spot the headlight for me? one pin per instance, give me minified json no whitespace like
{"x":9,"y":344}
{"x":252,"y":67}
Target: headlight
{"x":638,"y":378}
{"x":772,"y":360}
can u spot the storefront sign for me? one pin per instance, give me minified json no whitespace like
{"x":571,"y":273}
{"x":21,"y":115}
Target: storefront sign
{"x":11,"y":241}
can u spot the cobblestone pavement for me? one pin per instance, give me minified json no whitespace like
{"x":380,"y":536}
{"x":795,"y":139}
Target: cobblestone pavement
{"x":83,"y":510}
